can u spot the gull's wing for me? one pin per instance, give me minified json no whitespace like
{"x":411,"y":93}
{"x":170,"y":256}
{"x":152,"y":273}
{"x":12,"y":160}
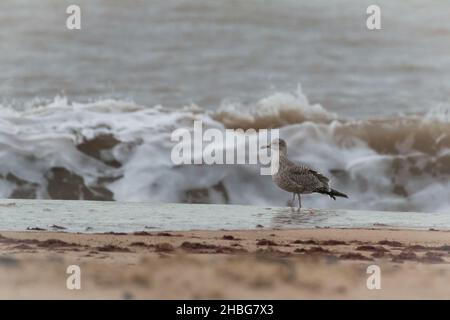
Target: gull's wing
{"x":319,"y":176}
{"x":306,"y":176}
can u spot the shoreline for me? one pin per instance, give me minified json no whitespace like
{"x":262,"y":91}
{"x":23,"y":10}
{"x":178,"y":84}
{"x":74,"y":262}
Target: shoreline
{"x":322,"y":263}
{"x":105,"y":216}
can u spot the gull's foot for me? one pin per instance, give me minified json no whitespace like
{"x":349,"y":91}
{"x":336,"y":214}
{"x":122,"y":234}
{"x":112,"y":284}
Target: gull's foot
{"x":291,"y":205}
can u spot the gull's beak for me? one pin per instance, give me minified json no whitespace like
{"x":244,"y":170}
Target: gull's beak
{"x":267,"y":146}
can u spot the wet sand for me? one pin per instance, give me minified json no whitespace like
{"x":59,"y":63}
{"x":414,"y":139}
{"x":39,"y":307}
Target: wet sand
{"x":104,"y":216}
{"x":268,"y":264}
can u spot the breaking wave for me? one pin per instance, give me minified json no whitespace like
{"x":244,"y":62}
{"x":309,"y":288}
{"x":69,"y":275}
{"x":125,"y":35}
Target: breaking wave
{"x":119,"y":150}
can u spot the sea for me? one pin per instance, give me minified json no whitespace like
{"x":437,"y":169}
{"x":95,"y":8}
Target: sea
{"x":88,"y":114}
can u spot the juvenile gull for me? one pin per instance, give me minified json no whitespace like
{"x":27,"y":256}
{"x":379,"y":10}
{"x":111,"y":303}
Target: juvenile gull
{"x":296,"y":178}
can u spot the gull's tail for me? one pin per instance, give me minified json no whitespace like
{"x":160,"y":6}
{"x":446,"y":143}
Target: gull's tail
{"x":333,"y":193}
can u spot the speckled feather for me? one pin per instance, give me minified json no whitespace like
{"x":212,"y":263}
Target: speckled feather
{"x":297,"y":178}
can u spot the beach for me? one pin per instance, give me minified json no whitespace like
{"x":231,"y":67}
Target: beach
{"x":131,"y":164}
{"x":320,"y":263}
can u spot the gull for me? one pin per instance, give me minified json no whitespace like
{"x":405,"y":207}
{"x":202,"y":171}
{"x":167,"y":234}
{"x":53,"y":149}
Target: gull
{"x":296,"y":178}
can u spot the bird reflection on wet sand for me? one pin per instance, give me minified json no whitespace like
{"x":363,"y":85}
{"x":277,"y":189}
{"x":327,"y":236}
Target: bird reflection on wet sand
{"x":308,"y":218}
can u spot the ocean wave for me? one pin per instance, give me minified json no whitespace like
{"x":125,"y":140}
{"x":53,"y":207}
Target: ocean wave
{"x":120,"y":150}
{"x":277,"y":110}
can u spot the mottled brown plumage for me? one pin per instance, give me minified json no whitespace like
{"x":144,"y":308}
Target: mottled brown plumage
{"x":298,"y":179}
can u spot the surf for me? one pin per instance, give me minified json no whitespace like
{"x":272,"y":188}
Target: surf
{"x":120,"y":151}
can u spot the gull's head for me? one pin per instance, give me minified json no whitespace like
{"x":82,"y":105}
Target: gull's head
{"x":277,"y":145}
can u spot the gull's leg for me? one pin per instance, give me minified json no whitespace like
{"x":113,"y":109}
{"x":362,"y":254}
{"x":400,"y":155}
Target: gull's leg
{"x":299,"y":202}
{"x":291,"y":202}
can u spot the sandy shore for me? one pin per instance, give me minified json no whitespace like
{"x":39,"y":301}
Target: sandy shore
{"x":292,"y":264}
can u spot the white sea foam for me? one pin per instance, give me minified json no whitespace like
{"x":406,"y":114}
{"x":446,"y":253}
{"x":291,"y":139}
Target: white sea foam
{"x":274,"y":111}
{"x":441,"y":113}
{"x":119,"y":150}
